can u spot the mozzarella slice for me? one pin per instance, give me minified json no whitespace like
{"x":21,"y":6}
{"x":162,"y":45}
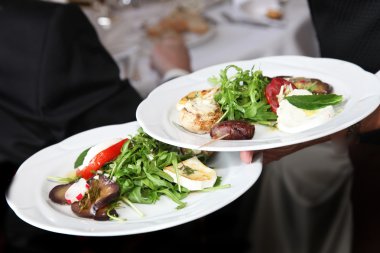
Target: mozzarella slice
{"x":193,"y":174}
{"x":198,"y":111}
{"x":199,"y":101}
{"x":294,"y":120}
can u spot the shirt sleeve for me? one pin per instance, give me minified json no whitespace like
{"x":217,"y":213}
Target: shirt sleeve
{"x":174,"y":73}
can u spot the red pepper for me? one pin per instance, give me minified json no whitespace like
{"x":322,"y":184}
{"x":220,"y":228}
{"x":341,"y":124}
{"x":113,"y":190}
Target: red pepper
{"x":273,"y":89}
{"x":100,"y":159}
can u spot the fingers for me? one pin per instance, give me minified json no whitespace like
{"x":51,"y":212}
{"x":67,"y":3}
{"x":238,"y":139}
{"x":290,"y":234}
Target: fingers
{"x":246,"y":156}
{"x":276,"y":154}
{"x":371,"y":122}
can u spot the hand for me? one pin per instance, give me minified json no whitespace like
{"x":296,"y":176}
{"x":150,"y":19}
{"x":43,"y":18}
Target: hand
{"x":247,"y":156}
{"x":170,"y":52}
{"x":275,"y":154}
{"x":371,"y":122}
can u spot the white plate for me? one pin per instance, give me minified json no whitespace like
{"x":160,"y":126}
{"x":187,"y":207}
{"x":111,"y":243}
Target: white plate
{"x":360,"y":89}
{"x":29,"y":190}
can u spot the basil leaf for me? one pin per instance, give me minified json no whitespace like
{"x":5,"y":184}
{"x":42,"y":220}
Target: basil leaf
{"x":79,"y":161}
{"x":314,"y":102}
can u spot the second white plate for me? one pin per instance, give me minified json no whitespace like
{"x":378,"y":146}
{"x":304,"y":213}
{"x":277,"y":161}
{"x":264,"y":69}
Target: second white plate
{"x":361,"y":91}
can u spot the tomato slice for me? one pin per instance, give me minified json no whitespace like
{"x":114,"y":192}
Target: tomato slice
{"x":100,"y":159}
{"x":273,"y":89}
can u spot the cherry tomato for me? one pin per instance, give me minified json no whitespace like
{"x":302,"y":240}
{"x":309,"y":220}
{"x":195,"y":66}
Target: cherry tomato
{"x":100,"y":159}
{"x":273,"y":89}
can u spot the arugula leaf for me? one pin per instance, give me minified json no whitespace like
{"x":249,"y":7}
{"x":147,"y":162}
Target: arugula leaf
{"x":126,"y":200}
{"x":175,"y":197}
{"x":143,"y":195}
{"x":126,"y":186}
{"x":314,"y":102}
{"x":242,"y":95}
{"x":139,"y":170}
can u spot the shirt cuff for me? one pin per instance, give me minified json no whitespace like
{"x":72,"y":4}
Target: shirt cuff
{"x":174,"y":73}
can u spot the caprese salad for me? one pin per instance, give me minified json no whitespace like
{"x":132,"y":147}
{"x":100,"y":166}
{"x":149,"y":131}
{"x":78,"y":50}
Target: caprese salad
{"x":239,"y":101}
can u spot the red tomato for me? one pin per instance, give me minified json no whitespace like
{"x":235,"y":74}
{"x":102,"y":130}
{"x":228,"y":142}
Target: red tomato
{"x":100,"y":159}
{"x":273,"y":89}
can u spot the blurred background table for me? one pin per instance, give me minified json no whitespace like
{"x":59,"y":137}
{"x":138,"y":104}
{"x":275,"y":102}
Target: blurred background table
{"x":225,"y":41}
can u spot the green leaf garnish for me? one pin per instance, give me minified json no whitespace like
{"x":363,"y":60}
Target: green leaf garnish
{"x":214,"y":188}
{"x":138,"y":171}
{"x":62,"y":180}
{"x":242,"y":95}
{"x":314,"y":102}
{"x":79,"y":161}
{"x":138,"y":211}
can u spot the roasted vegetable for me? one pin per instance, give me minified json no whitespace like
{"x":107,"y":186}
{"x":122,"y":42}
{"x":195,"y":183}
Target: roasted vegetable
{"x":273,"y":89}
{"x":95,"y":203}
{"x":57,"y":194}
{"x":233,"y":130}
{"x":100,"y":214}
{"x":313,"y":85}
{"x":99,"y":160}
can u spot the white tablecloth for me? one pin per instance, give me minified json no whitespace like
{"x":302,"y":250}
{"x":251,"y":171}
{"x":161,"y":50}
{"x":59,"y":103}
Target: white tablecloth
{"x":227,"y":42}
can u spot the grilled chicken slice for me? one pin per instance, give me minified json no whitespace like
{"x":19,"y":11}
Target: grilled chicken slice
{"x":198,"y":111}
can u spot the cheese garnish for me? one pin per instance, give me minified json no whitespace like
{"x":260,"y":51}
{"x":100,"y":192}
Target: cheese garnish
{"x":193,"y":174}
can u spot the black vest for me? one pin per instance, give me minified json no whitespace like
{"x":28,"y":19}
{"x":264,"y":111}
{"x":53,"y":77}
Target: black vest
{"x":56,"y":79}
